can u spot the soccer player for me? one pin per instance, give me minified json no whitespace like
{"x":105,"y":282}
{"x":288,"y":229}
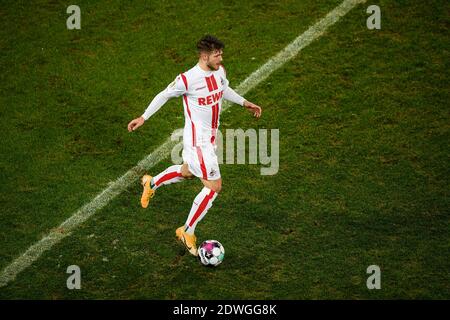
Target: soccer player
{"x":203,"y":88}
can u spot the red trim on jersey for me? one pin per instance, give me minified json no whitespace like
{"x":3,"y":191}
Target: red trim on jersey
{"x":214,"y":121}
{"x":214,"y":83}
{"x":201,"y":207}
{"x":202,"y":163}
{"x":184,"y":80}
{"x":168,"y":176}
{"x":188,"y":111}
{"x":214,"y":116}
{"x":209,"y":84}
{"x":192,"y":123}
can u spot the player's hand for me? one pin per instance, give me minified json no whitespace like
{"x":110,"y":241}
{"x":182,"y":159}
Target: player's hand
{"x":135,"y":123}
{"x":256,"y":110}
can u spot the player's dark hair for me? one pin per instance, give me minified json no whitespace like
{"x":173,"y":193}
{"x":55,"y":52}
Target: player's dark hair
{"x":209,"y":43}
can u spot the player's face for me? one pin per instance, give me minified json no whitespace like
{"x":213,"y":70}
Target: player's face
{"x":215,"y":60}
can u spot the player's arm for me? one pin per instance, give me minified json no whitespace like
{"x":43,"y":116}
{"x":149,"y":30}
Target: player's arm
{"x":231,"y":95}
{"x":175,"y":89}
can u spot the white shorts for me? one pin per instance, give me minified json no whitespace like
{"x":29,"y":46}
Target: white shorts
{"x":202,"y":161}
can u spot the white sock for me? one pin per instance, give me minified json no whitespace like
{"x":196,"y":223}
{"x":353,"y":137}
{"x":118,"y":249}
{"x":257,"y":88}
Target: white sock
{"x":202,"y":202}
{"x":171,"y":175}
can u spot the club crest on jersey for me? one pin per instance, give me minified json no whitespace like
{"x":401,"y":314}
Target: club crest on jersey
{"x":221,"y":80}
{"x":212,"y":173}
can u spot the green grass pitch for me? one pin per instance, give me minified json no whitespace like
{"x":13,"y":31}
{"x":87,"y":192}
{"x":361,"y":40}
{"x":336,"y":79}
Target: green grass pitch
{"x":364,"y":150}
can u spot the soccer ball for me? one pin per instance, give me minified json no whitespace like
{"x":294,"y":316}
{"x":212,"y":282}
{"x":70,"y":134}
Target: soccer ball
{"x":211,"y":253}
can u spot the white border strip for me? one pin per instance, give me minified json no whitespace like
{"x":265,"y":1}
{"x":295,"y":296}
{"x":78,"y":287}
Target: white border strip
{"x":65,"y":229}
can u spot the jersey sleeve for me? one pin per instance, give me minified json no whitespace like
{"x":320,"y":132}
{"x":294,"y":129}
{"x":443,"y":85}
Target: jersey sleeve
{"x":173,"y":90}
{"x":176,"y":88}
{"x":231,"y":95}
{"x":228,"y":93}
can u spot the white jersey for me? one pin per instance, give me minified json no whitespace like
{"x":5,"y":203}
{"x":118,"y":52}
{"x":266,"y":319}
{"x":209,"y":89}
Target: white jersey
{"x":203,"y":93}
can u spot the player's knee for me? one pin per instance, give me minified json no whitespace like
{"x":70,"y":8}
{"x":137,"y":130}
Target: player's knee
{"x":186,"y":173}
{"x":217,"y":187}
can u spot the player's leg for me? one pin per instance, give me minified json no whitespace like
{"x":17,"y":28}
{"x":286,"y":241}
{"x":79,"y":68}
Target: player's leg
{"x":185,"y":171}
{"x":205,"y":167}
{"x":202,"y":203}
{"x":215,"y":185}
{"x":172,"y":174}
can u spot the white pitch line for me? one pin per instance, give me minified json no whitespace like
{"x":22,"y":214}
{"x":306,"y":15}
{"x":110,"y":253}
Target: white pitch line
{"x":102,"y":199}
